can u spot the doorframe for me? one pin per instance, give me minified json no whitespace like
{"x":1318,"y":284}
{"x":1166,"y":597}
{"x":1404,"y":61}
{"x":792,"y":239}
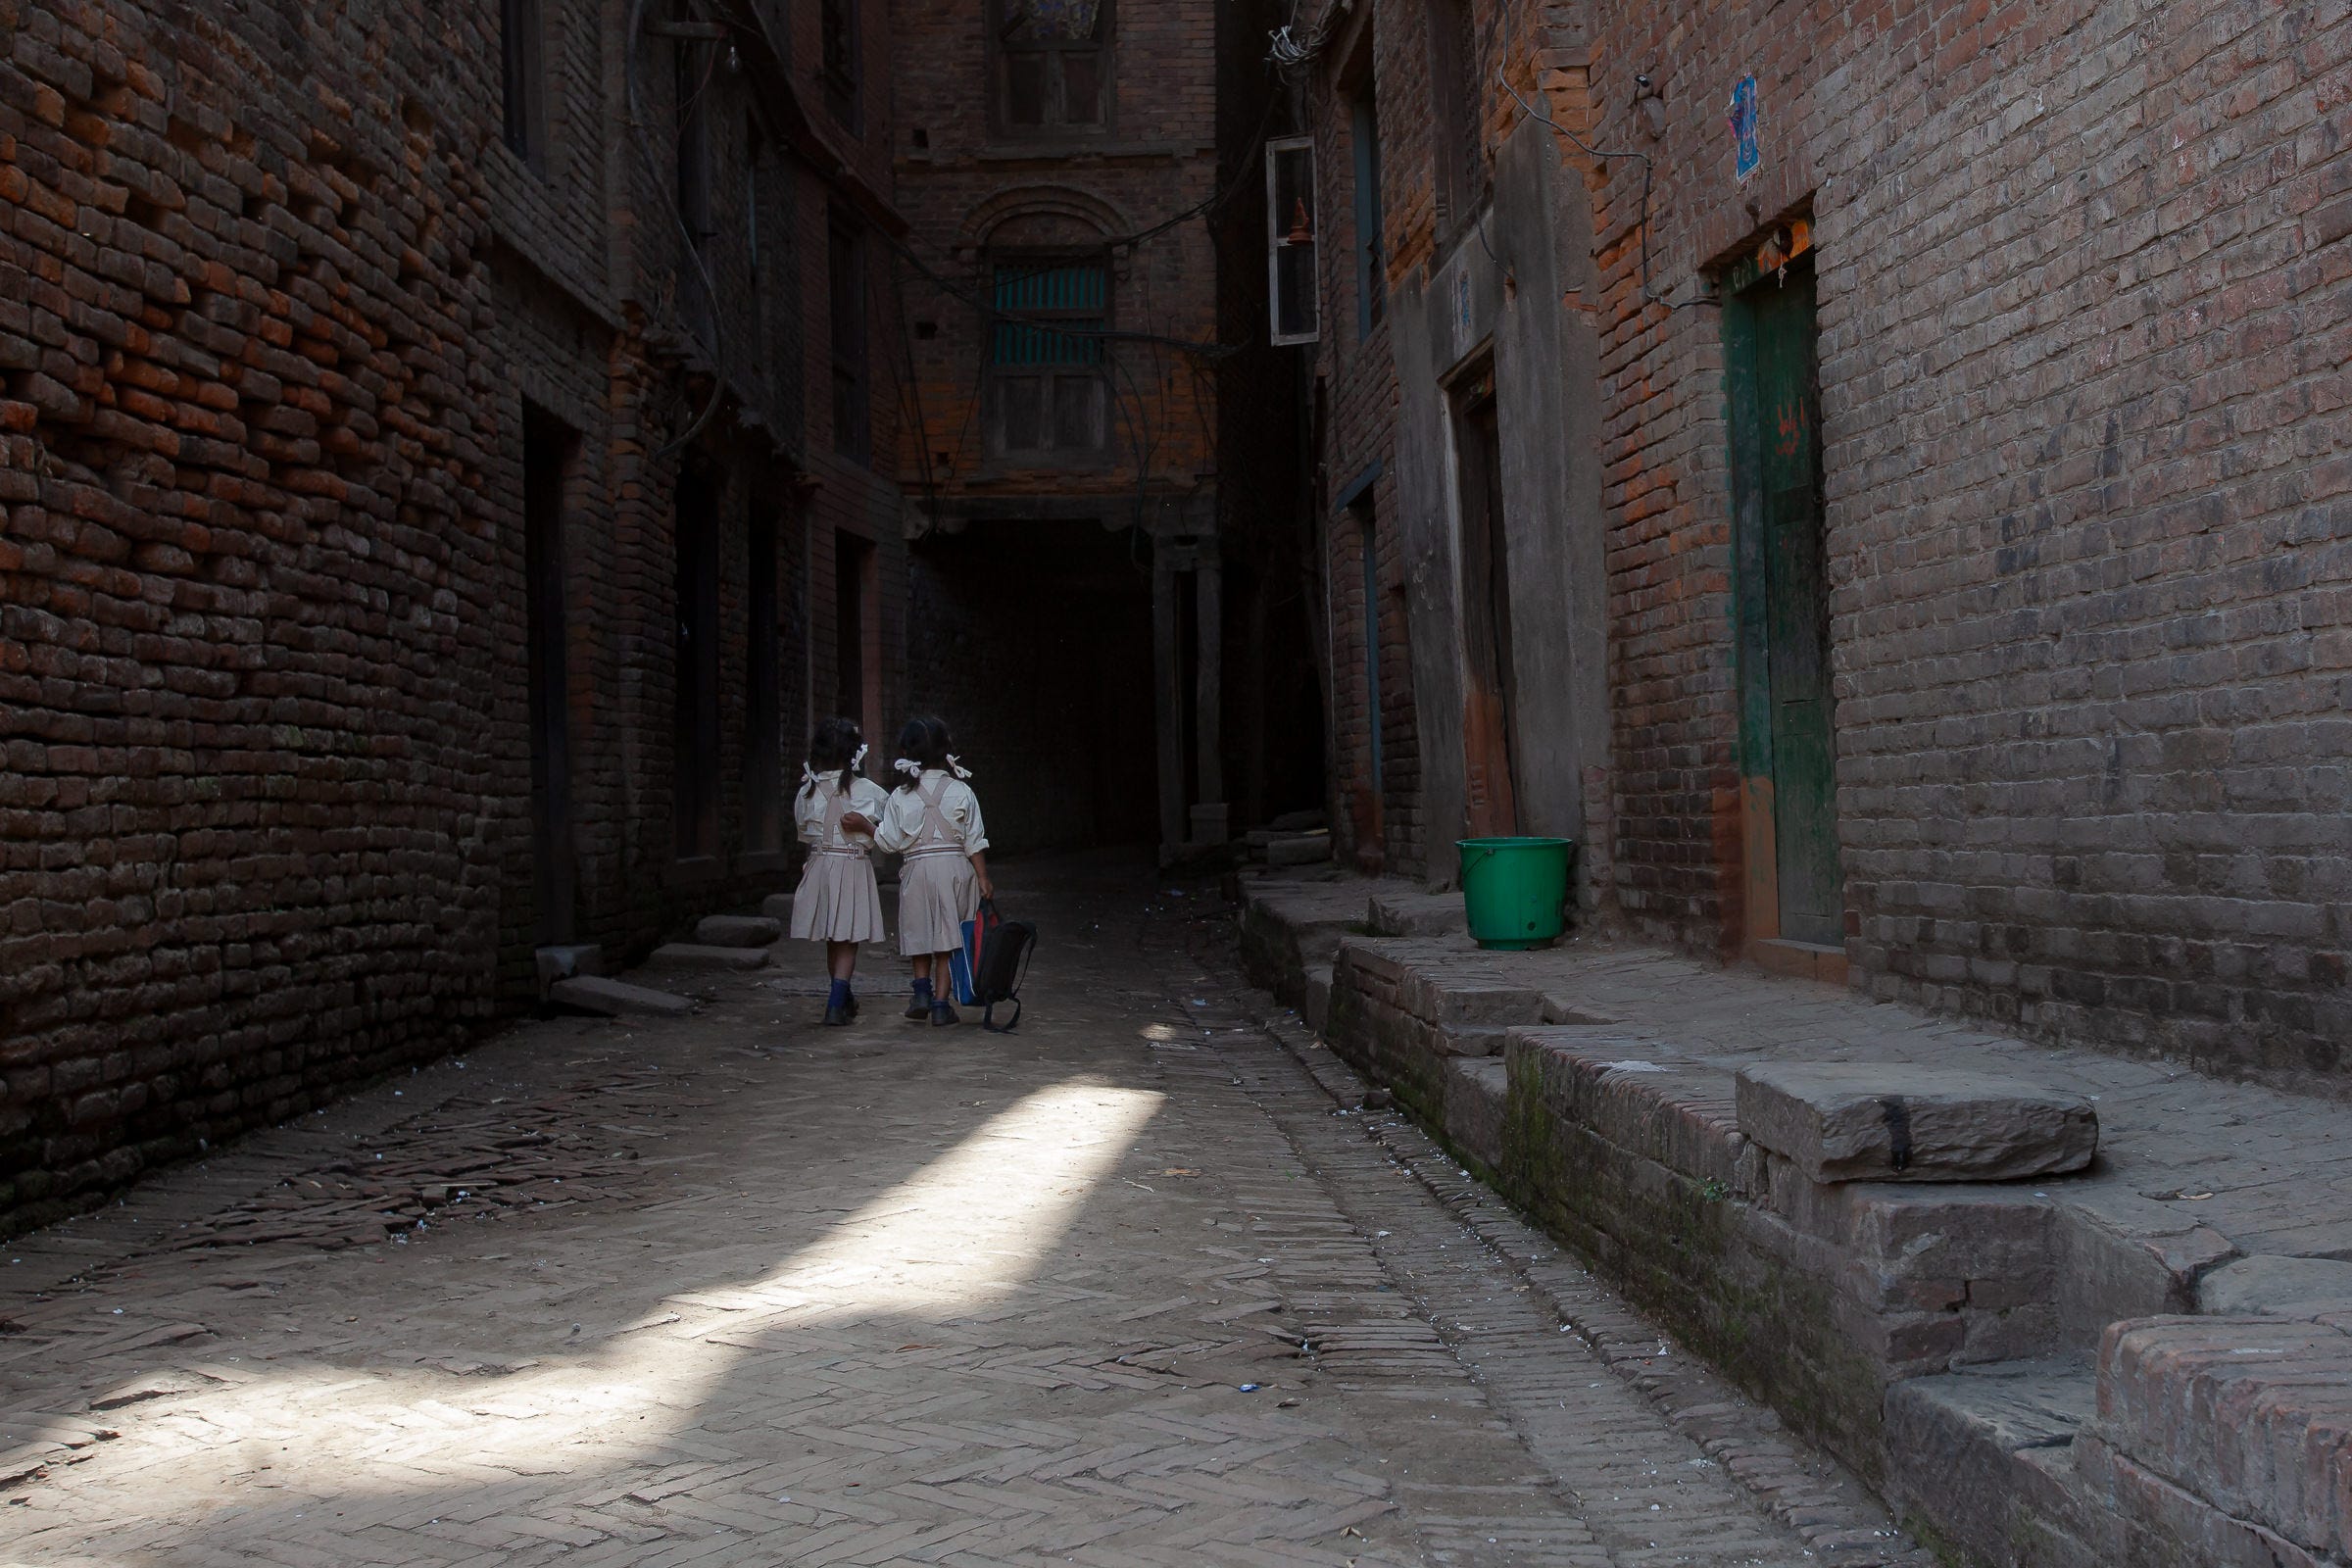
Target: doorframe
{"x":1471,"y":385}
{"x":1760,"y":940}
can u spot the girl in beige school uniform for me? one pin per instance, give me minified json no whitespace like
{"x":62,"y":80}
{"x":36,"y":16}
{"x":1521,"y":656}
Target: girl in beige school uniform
{"x":838,"y":902}
{"x":933,"y":823}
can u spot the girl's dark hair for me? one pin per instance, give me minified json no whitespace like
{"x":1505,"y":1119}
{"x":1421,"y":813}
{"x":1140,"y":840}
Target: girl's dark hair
{"x":925,"y":741}
{"x":834,"y":744}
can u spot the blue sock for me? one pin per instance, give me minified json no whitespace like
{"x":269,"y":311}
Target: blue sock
{"x":840,"y":996}
{"x":922,"y":990}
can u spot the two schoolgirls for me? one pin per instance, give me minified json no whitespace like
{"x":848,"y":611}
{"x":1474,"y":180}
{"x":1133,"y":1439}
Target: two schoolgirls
{"x":931,"y":819}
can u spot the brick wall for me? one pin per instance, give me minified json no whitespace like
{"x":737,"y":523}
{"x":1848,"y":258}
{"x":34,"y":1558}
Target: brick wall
{"x":2083,"y":318}
{"x":275,"y":299}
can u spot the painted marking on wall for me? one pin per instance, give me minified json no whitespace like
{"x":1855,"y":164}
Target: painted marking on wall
{"x":1746,"y":119}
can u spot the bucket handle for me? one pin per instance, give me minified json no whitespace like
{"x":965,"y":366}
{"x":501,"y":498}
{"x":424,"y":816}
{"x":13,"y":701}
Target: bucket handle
{"x":1485,"y":852}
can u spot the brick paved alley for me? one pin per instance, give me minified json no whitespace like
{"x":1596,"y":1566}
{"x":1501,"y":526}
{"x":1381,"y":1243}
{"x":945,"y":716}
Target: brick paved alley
{"x":1138,"y":1284}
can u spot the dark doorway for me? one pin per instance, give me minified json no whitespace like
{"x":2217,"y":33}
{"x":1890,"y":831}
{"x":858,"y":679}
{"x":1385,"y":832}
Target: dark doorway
{"x":695,"y":753}
{"x":762,"y":684}
{"x":1787,"y":740}
{"x":1033,"y":639}
{"x":853,"y":596}
{"x":1489,"y":799}
{"x":548,"y":451}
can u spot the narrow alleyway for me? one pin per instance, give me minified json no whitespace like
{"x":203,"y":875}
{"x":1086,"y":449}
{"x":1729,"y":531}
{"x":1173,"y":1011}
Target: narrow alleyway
{"x":1137,"y":1285}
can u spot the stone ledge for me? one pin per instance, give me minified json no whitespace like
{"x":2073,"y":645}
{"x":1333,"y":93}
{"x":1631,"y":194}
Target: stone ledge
{"x":1900,"y":1322}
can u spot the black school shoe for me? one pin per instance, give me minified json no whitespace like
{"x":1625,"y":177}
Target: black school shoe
{"x":846,"y":1013}
{"x":943,"y":1015}
{"x":918,"y":1009}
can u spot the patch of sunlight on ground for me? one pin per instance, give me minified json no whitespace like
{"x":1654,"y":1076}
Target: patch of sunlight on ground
{"x":963,"y":1232}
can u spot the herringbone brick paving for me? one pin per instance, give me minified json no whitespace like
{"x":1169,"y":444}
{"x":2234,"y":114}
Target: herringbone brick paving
{"x":1130,"y":1287}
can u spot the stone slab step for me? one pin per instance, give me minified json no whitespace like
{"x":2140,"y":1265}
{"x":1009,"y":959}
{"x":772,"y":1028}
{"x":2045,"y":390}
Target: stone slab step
{"x":1892,"y":1121}
{"x":1416,"y":914}
{"x":738,"y":931}
{"x":1299,"y":821}
{"x":700,"y":955}
{"x":564,"y":960}
{"x":1476,"y":1088}
{"x":1305,"y":848}
{"x":1987,"y":1456}
{"x":2302,"y":1286}
{"x":596,"y":993}
{"x":777,"y":907}
{"x":1315,"y":1005}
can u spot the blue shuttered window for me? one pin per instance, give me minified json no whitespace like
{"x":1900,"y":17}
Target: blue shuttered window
{"x":1046,"y":368}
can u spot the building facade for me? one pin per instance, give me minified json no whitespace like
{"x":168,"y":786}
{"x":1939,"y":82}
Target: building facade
{"x":447,"y":454}
{"x":1074,"y":316}
{"x":1876,"y":480}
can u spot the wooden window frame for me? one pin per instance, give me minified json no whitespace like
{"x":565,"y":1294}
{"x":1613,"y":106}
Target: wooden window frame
{"x":1001,"y":16}
{"x":839,"y":30}
{"x":1050,"y":374}
{"x":848,"y":309}
{"x":522,"y":77}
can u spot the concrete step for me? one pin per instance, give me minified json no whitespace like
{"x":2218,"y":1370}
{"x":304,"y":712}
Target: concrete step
{"x":738,"y":931}
{"x":596,"y":993}
{"x":1986,"y":1457}
{"x":1299,"y":822}
{"x":698,"y":955}
{"x":777,"y":907}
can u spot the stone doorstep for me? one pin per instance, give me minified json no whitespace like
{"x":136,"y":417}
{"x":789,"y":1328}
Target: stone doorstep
{"x":697,"y":956}
{"x":738,"y":931}
{"x":1862,"y":1121}
{"x":1980,"y":1452}
{"x":1409,"y":914}
{"x":617,"y":998}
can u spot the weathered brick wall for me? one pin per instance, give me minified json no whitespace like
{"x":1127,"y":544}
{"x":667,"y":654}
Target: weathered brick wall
{"x":248,"y":593}
{"x":274,"y":299}
{"x":965,"y":187}
{"x":1376,"y":819}
{"x":2082,"y":325}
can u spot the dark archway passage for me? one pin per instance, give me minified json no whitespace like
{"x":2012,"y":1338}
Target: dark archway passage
{"x":1033,"y":639}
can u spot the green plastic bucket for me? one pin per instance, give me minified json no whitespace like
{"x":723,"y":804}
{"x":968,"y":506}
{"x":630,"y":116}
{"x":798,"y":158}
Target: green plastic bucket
{"x":1515,"y":890}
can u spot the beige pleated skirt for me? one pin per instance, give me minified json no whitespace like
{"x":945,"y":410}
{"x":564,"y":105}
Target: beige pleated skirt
{"x":937,"y":894}
{"x":837,"y":900}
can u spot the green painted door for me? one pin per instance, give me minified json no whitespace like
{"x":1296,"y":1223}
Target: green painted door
{"x":1784,"y":595}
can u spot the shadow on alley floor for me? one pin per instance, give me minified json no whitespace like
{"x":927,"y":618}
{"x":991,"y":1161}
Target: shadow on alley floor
{"x":1134,"y":1285}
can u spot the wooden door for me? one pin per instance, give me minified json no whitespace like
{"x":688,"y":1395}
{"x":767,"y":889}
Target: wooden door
{"x":1788,"y":706}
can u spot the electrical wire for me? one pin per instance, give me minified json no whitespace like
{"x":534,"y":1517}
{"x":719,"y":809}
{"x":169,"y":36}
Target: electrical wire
{"x":1648,"y":295}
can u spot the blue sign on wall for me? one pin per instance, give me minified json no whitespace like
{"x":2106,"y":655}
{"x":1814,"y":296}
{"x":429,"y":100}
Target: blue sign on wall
{"x":1747,"y":151}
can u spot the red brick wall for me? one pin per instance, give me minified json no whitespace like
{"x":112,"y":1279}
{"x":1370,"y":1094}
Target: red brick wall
{"x":2083,"y":322}
{"x":273,"y":296}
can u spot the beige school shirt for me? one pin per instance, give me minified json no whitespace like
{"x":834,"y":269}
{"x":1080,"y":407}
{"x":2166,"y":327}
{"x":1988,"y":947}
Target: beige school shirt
{"x":812,"y":806}
{"x":903,"y":826}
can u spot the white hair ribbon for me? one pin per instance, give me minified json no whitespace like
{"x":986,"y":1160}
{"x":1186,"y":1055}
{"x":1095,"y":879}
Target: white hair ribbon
{"x":909,"y":767}
{"x":857,"y":761}
{"x":961,"y":770}
{"x":808,"y":775}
